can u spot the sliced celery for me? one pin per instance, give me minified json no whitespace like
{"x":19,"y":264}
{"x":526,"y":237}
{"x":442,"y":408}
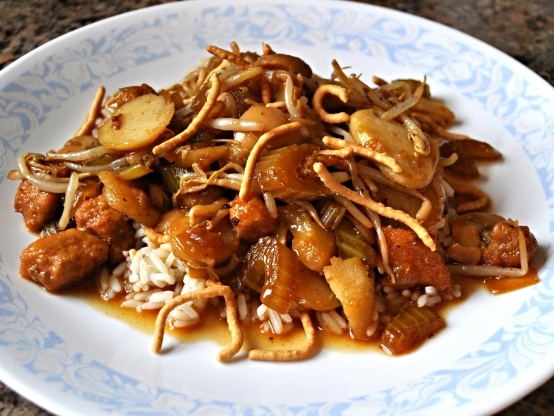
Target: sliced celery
{"x":331,"y":213}
{"x":409,"y":328}
{"x":270,"y":268}
{"x":133,"y":172}
{"x":351,"y":243}
{"x":287,"y":174}
{"x":171,"y":175}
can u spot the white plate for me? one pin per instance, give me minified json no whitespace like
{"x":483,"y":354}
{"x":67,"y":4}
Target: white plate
{"x":71,"y":359}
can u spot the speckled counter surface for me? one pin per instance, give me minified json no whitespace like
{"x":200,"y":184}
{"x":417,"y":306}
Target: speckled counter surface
{"x":523,"y":29}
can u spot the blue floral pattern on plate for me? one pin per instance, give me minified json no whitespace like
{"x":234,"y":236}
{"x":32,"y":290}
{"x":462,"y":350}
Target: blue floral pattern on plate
{"x":453,"y":59}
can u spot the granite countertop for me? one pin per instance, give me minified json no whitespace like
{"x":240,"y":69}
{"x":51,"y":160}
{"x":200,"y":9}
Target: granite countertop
{"x":523,"y":29}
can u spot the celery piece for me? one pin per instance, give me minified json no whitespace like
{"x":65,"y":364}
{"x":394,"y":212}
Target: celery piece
{"x":171,"y":175}
{"x":409,"y":329}
{"x":133,"y":172}
{"x":331,"y":213}
{"x":287,"y":174}
{"x":313,"y":291}
{"x":253,"y":275}
{"x":351,"y":243}
{"x":270,"y":268}
{"x":280,"y":273}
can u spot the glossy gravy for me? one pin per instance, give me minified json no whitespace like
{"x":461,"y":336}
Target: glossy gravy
{"x":213,"y":328}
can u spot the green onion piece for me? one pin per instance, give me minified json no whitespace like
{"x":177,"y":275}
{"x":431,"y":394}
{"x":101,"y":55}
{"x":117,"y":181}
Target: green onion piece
{"x":133,"y":172}
{"x":409,"y":329}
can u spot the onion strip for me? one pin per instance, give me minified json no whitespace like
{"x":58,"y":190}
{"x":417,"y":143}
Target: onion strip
{"x":79,"y":156}
{"x":234,"y":124}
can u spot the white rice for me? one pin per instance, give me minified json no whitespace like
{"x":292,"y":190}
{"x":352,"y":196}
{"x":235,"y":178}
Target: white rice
{"x":271,"y":320}
{"x":332,"y":321}
{"x":152,"y":275}
{"x":242,"y":307}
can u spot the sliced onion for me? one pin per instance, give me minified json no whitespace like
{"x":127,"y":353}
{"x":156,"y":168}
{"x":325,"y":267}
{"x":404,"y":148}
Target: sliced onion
{"x":240,"y":77}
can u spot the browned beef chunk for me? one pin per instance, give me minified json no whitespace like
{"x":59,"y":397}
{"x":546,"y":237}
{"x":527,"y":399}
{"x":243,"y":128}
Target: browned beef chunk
{"x":413,"y":262}
{"x":503,"y":249}
{"x":63,"y":259}
{"x":97,"y":217}
{"x":37,"y":206}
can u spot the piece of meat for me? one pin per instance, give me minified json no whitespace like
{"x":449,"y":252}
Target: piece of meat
{"x":503,"y":249}
{"x":251,"y":218}
{"x":97,"y":217}
{"x":413,"y":262}
{"x":63,"y":259}
{"x":37,"y":206}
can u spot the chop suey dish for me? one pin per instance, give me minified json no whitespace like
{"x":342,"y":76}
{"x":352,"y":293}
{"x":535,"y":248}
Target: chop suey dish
{"x":258,"y":189}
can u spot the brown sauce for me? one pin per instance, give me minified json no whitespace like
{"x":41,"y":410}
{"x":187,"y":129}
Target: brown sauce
{"x":212,"y":327}
{"x":497,"y":285}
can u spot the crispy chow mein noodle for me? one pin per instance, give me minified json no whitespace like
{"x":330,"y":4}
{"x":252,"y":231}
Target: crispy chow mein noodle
{"x":274,"y":197}
{"x":206,"y":293}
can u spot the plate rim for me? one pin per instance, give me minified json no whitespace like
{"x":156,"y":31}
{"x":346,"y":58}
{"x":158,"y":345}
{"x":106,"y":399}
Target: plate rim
{"x":111,"y":21}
